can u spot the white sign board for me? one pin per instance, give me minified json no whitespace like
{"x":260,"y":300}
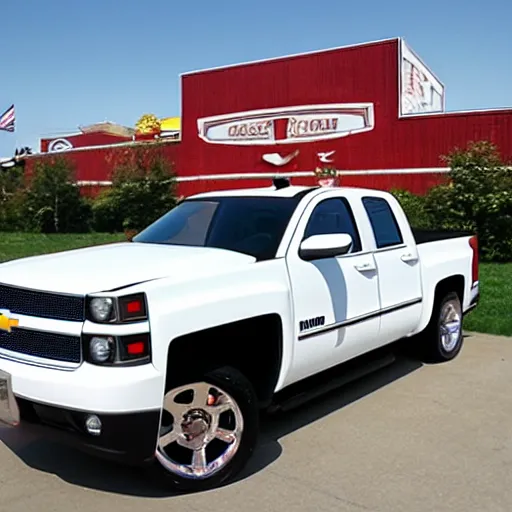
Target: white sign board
{"x":420,"y":89}
{"x":287,"y":125}
{"x":59,"y":145}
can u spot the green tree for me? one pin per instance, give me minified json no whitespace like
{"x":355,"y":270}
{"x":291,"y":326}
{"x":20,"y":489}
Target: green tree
{"x":414,"y":207}
{"x":478,"y":198}
{"x":53,"y":200}
{"x":12,"y":198}
{"x":143,"y":189}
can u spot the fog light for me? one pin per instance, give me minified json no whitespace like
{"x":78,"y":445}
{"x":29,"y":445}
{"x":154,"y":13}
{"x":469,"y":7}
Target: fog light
{"x":93,"y":425}
{"x":101,"y":349}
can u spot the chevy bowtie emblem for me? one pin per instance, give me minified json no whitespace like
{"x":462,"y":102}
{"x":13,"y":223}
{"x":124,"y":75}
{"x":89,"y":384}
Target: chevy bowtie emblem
{"x":6,"y":322}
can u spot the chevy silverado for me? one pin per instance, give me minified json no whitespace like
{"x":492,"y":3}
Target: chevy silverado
{"x":165,"y":349}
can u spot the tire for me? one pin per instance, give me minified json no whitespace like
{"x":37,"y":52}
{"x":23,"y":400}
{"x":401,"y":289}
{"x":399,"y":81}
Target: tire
{"x":441,"y":342}
{"x":238,"y":397}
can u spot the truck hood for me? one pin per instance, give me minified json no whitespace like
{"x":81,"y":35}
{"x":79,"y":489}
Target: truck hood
{"x":107,"y":267}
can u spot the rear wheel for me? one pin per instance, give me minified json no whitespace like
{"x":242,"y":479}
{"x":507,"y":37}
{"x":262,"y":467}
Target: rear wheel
{"x":208,"y":431}
{"x":443,"y":338}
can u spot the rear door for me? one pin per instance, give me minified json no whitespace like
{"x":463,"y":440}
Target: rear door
{"x":336,"y":300}
{"x":397,"y":260}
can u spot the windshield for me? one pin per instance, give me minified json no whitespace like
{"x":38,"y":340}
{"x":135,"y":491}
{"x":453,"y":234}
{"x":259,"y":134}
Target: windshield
{"x":250,"y":225}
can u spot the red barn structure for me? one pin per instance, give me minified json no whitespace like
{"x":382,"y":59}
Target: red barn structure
{"x":374,"y":112}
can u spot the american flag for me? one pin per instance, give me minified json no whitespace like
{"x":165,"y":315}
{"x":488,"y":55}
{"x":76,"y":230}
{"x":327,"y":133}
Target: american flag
{"x":7,"y":120}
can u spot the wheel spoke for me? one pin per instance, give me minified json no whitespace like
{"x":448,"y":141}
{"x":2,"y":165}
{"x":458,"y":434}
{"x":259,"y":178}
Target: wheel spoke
{"x":228,"y":436}
{"x":199,"y":462}
{"x":201,"y":391}
{"x":168,"y":438}
{"x":223,"y":405}
{"x":177,"y":410}
{"x":452,"y":327}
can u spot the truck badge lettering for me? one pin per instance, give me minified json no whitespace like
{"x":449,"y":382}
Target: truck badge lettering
{"x":304,"y":325}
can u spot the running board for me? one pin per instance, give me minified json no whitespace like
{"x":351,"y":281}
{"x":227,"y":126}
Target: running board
{"x":313,"y":387}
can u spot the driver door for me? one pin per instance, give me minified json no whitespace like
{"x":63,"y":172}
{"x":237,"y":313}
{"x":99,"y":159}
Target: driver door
{"x":336,"y":300}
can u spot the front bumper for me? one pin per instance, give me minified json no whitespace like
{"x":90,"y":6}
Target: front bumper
{"x":55,"y":403}
{"x":128,"y":437}
{"x":89,"y":387}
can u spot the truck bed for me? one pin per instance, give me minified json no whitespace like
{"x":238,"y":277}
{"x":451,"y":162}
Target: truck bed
{"x":423,"y":236}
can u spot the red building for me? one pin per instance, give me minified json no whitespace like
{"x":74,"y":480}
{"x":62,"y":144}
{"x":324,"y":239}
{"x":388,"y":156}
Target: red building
{"x":373,"y":111}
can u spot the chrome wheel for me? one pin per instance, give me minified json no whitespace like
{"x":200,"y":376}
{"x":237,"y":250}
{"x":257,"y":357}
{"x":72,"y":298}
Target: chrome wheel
{"x":450,"y":327}
{"x":201,"y":430}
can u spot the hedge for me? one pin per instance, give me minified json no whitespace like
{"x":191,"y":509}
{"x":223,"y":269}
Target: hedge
{"x":478,"y":198}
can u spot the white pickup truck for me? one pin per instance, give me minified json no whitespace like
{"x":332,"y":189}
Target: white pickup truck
{"x":163,"y":350}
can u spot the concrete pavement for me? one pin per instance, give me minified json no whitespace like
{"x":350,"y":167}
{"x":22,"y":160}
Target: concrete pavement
{"x":408,"y":438}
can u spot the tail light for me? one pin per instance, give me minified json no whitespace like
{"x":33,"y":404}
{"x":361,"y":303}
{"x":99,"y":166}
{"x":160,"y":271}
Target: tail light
{"x":473,"y":242}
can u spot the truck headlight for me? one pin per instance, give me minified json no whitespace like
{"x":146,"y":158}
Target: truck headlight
{"x":125,"y":309}
{"x":101,"y":308}
{"x":104,"y":350}
{"x":101,"y":349}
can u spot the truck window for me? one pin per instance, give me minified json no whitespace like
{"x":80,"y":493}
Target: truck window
{"x":333,"y":216}
{"x":250,"y":225}
{"x":383,"y":221}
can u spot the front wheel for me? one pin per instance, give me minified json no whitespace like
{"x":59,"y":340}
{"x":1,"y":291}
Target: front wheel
{"x":442,"y":339}
{"x":208,"y":432}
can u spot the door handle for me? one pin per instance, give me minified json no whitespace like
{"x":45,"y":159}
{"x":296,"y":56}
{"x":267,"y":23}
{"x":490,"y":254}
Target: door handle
{"x":408,"y":258}
{"x":364,"y":267}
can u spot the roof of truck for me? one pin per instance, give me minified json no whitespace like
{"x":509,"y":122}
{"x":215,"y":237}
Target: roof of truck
{"x":289,"y":191}
{"x":263,"y":191}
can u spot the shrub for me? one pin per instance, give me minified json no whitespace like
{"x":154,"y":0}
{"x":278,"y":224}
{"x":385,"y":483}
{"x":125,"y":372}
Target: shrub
{"x":12,"y":199}
{"x":414,"y":208}
{"x":143,"y":189}
{"x":53,"y":203}
{"x":478,"y":198}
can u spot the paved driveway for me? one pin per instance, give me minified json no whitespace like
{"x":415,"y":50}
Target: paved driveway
{"x":408,"y":438}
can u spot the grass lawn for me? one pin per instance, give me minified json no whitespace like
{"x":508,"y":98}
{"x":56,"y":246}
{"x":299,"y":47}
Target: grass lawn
{"x":494,"y":312}
{"x":493,"y":315}
{"x":19,"y":245}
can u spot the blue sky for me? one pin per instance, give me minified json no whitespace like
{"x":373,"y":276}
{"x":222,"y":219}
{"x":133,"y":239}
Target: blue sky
{"x":67,"y":63}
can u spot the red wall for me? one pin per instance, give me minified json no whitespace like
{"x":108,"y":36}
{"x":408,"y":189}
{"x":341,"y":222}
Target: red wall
{"x":98,"y":164}
{"x":361,"y":74}
{"x":367,"y":73}
{"x":426,"y":137}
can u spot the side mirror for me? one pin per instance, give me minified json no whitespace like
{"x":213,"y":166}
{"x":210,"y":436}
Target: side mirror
{"x":325,"y":246}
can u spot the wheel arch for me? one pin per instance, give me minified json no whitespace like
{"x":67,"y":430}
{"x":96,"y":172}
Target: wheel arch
{"x":452,"y":283}
{"x":455,"y":283}
{"x":254,"y":346}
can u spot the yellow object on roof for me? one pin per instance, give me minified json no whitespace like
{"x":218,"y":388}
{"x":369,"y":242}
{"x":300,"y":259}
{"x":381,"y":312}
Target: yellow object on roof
{"x":170,"y":124}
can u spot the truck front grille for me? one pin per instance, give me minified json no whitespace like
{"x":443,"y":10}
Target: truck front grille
{"x":58,"y":347}
{"x":22,"y":301}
